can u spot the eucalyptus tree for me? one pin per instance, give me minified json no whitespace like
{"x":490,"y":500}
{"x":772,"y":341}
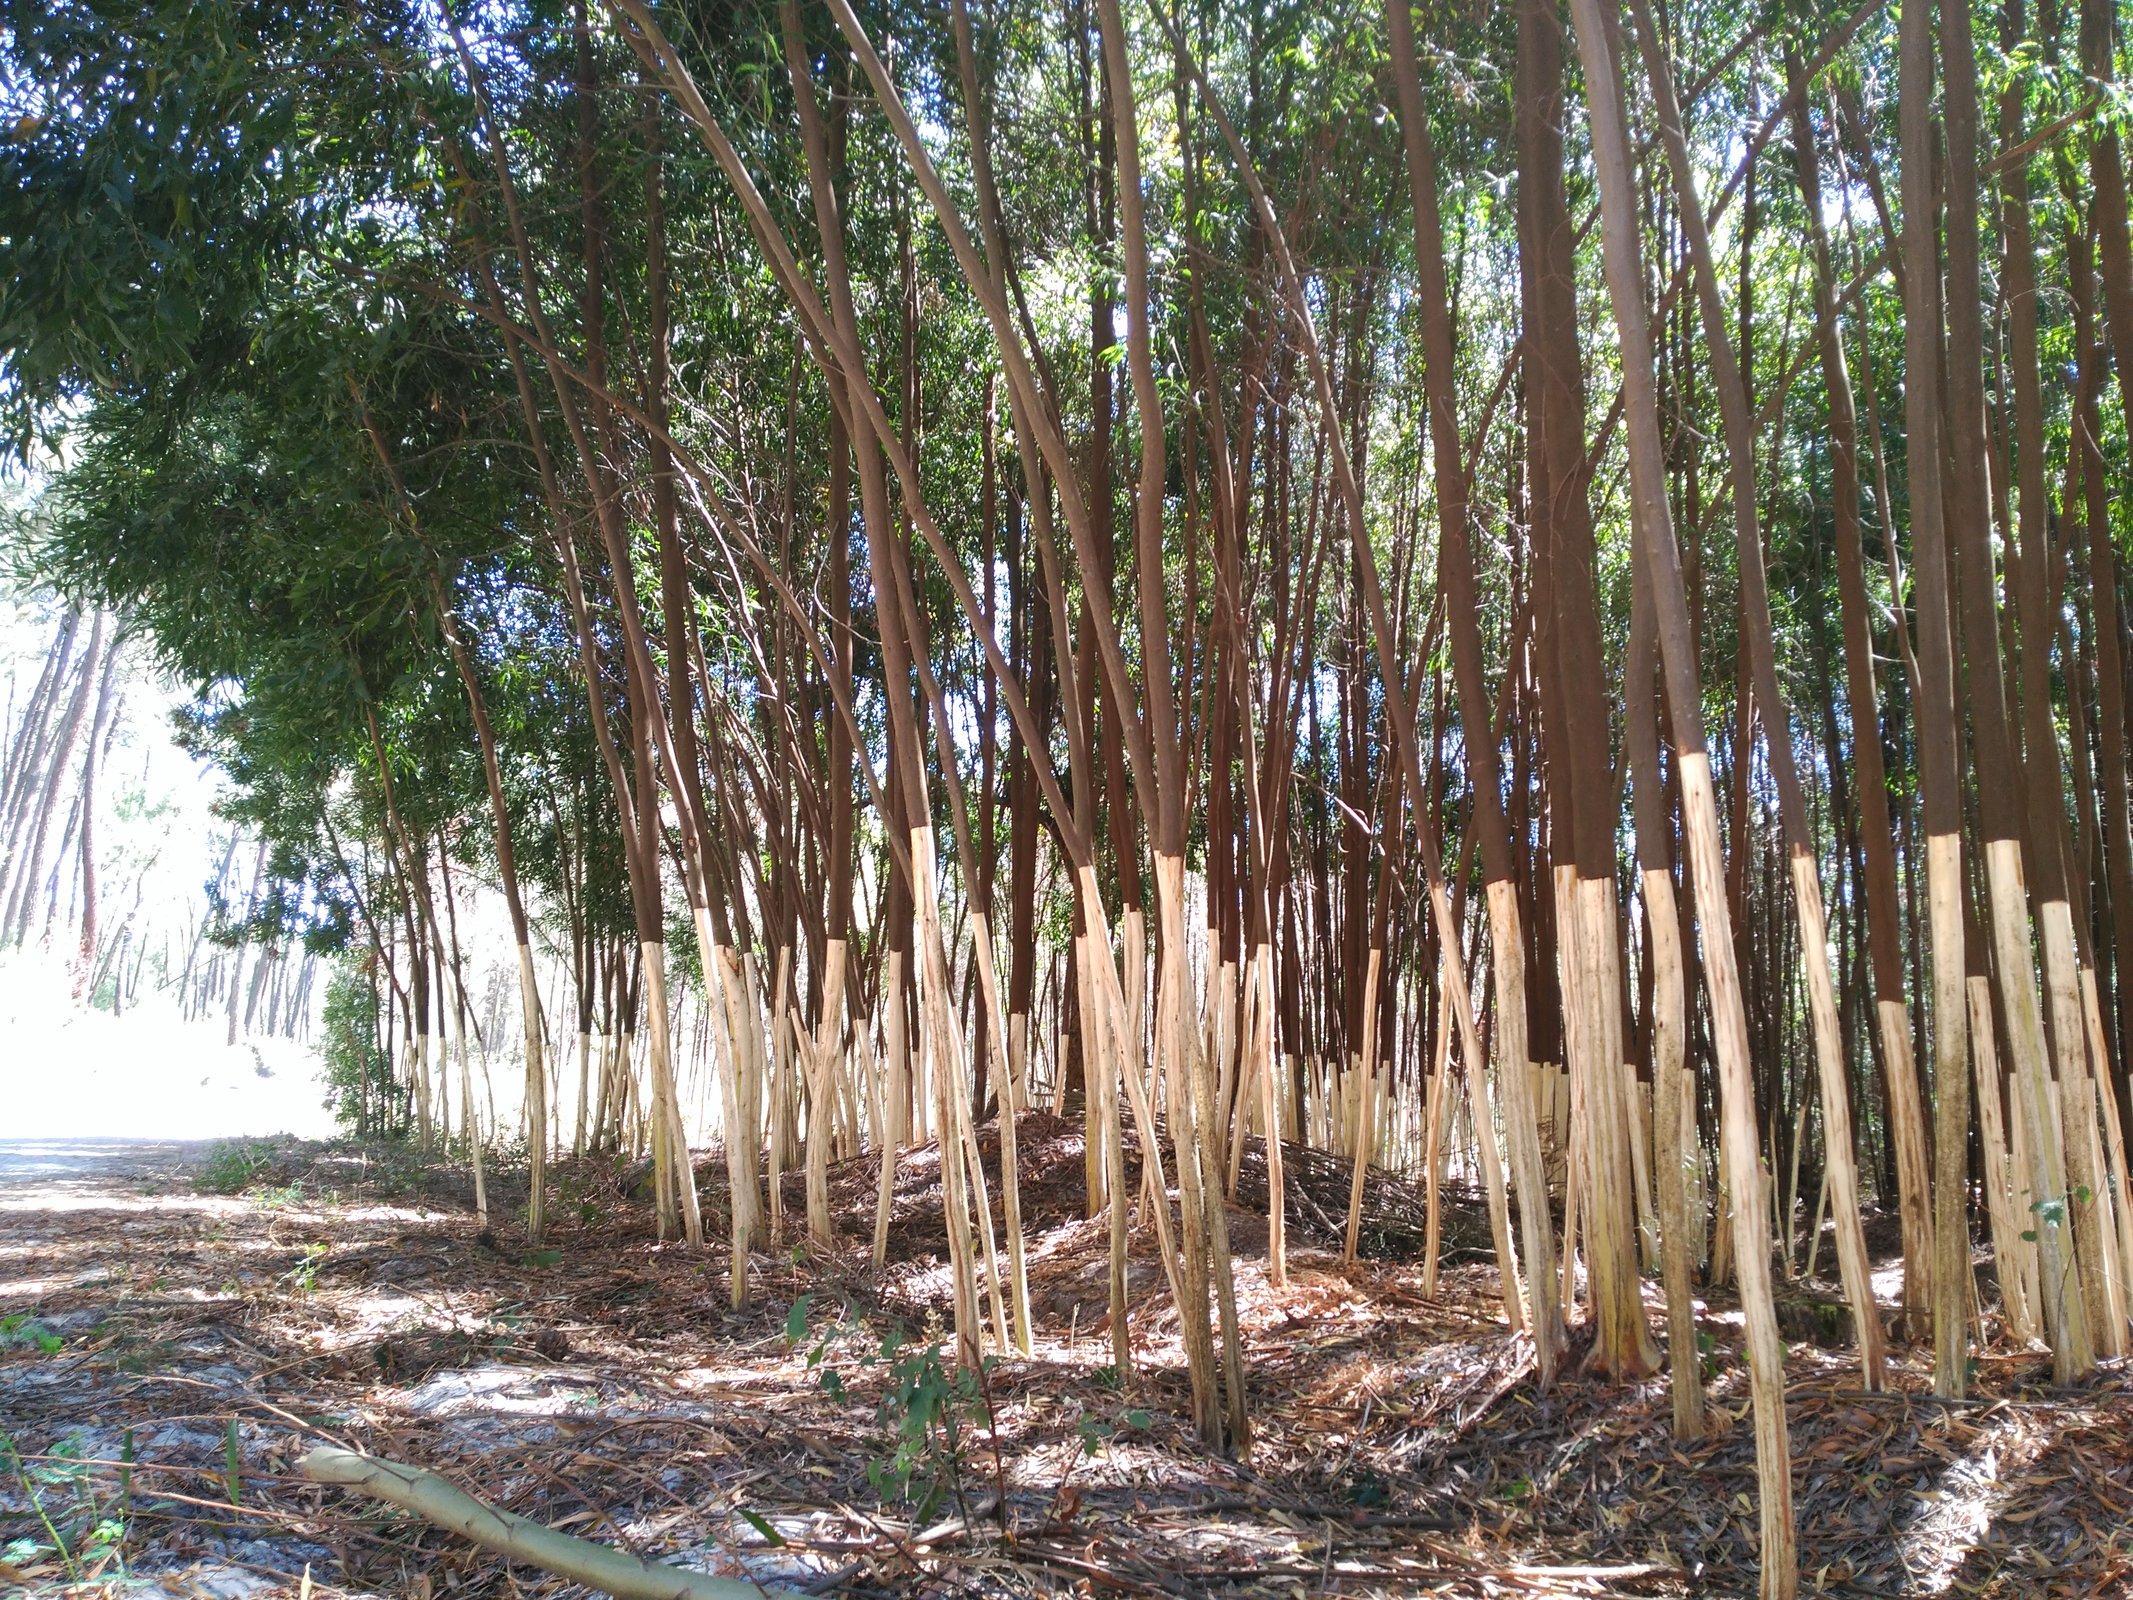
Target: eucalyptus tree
{"x":779,"y":464}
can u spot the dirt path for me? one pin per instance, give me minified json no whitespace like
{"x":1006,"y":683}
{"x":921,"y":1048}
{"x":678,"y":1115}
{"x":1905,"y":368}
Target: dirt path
{"x":603,"y":1385}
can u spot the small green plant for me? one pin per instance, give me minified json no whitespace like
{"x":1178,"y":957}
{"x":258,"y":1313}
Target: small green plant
{"x":1369,"y":1491}
{"x":146,"y":1355}
{"x":1096,"y":1432}
{"x":303,"y":1277}
{"x":1707,"y":1354}
{"x":771,"y":1536}
{"x":2056,"y":1211}
{"x":280,"y":1196}
{"x":234,"y":1165}
{"x":928,"y":1409}
{"x":574,"y":1193}
{"x":21,"y":1332}
{"x":506,"y":1329}
{"x":86,"y":1535}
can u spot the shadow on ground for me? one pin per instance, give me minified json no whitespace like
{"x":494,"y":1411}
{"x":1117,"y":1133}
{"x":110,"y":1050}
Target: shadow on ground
{"x":169,"y":1352}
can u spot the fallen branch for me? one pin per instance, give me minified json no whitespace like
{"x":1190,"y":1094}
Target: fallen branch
{"x":438,"y":1500}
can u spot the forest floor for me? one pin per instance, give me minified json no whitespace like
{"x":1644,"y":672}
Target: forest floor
{"x":178,"y":1324}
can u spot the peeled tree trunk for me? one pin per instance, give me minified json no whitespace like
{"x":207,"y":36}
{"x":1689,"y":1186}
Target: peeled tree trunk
{"x":1675,"y":1146}
{"x":1184,"y":1252}
{"x":2006,"y":1214}
{"x":1398,"y":704}
{"x":1842,"y":1167}
{"x":734,"y":1010}
{"x":2099,"y":1261}
{"x":1652,"y":519}
{"x":1190,"y":1076}
{"x":1936,"y":707}
{"x":1883,"y":910}
{"x":1277,"y":1252}
{"x":1456,"y":567}
{"x":668,"y":1139}
{"x":1573,"y":680}
{"x":471,"y":1124}
{"x":943,"y":1042}
{"x":825,"y":1054}
{"x":537,"y":1128}
{"x":1160,"y":770}
{"x":1007,"y":1070}
{"x":892,"y":1131}
{"x":1366,"y":1068}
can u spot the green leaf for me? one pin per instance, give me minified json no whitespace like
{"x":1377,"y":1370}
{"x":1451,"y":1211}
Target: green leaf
{"x":770,"y":1534}
{"x":796,"y":1319}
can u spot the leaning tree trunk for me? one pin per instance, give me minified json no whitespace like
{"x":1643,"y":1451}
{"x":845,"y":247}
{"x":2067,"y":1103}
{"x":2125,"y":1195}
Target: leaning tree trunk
{"x":1675,"y":1145}
{"x":32,"y":874}
{"x":639,"y":847}
{"x":2049,"y":844}
{"x":506,"y":858}
{"x":1839,"y":1154}
{"x":1398,"y":704}
{"x":1656,"y":550}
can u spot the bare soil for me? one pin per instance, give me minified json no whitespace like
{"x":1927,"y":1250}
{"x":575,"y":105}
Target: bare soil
{"x":168,"y":1353}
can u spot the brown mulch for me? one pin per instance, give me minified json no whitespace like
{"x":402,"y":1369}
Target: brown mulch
{"x":606,"y":1386}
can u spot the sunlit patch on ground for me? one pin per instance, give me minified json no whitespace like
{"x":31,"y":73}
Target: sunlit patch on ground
{"x":604,"y":1384}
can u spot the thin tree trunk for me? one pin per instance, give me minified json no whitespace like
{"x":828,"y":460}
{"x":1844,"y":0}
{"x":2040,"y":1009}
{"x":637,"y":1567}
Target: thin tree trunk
{"x":1653,"y":524}
{"x":2049,"y":846}
{"x":1462,"y":608}
{"x":31,"y":877}
{"x":85,"y":840}
{"x":1935,"y":707}
{"x":1805,"y":869}
{"x":1882,"y":911}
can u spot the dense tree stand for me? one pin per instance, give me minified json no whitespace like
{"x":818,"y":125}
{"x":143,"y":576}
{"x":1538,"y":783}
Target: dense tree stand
{"x":1502,"y":620}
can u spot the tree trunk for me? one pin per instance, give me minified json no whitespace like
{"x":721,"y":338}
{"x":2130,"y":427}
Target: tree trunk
{"x":1655,"y":549}
{"x":1731,"y":383}
{"x":1883,"y":908}
{"x":1462,"y":610}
